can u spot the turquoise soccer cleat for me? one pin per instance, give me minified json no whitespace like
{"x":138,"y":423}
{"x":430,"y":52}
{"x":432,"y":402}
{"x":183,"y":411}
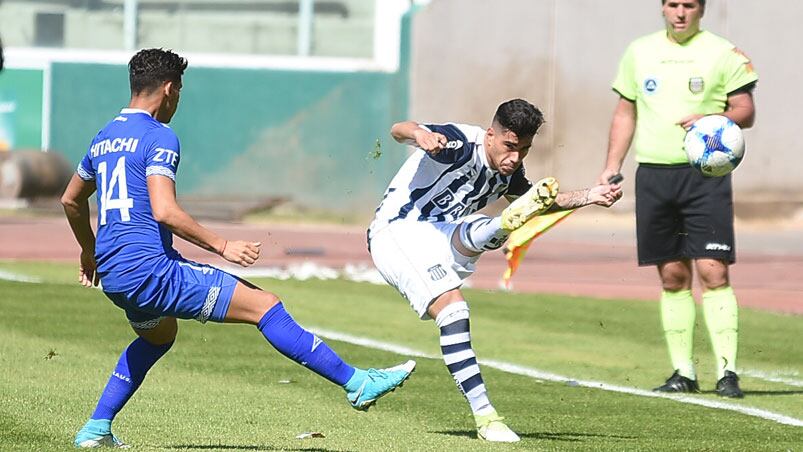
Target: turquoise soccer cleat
{"x":366,"y":386}
{"x":97,"y":433}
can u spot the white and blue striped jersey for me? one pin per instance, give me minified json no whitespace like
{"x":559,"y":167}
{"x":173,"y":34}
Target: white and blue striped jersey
{"x":452,"y":184}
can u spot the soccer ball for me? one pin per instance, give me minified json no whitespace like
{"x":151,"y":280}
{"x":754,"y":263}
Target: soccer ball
{"x":714,"y":145}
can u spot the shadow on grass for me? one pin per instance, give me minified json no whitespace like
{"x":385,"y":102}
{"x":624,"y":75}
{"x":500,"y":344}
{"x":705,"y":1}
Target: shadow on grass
{"x":772,"y":393}
{"x":244,"y":447}
{"x":568,"y":437}
{"x":761,"y":393}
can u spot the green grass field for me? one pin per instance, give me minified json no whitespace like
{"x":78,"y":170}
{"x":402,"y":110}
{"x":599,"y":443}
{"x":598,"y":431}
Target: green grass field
{"x":221,"y":386}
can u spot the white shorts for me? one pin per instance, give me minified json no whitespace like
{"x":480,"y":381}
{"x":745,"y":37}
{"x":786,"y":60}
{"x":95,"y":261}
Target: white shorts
{"x":417,"y":258}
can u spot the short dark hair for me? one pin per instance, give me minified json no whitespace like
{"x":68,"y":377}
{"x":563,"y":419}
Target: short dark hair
{"x":701,"y":2}
{"x":520,"y":117}
{"x":149,"y":68}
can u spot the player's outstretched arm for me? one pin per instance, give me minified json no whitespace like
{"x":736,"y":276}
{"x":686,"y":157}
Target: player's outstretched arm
{"x":410,"y":132}
{"x":75,"y":201}
{"x":162,"y":193}
{"x":602,"y":195}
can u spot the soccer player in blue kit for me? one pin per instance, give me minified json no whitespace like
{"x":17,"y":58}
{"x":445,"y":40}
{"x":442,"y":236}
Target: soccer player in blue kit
{"x":132,"y":164}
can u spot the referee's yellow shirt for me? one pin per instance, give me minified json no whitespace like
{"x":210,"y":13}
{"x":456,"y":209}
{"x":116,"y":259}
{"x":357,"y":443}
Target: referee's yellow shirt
{"x":669,"y":81}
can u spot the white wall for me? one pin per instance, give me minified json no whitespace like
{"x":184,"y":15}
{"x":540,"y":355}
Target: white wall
{"x":470,"y":55}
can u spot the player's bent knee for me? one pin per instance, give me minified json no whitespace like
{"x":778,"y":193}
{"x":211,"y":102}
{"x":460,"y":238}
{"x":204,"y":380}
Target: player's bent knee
{"x":249,"y":304}
{"x":160,"y":331}
{"x":444,"y":300}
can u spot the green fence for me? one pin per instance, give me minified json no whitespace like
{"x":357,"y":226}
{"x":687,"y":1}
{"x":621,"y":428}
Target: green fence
{"x":21,"y":93}
{"x":306,"y":135}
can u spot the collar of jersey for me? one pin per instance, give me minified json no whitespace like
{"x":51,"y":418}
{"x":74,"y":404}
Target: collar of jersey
{"x":131,"y":111}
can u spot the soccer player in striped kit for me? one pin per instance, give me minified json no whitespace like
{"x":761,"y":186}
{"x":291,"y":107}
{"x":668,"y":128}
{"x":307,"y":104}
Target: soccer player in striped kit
{"x":425,"y":238}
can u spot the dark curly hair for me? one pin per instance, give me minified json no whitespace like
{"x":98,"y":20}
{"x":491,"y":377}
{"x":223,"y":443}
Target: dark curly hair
{"x":149,"y":68}
{"x":520,"y":117}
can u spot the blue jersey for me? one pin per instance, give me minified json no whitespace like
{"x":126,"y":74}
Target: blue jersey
{"x":131,"y":244}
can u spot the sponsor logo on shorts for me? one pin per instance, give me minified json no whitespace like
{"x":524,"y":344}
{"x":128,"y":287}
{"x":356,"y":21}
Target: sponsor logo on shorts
{"x":436,"y":272}
{"x":717,"y":247}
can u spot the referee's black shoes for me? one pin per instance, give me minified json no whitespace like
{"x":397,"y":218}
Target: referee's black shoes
{"x":728,"y":386}
{"x":679,"y":383}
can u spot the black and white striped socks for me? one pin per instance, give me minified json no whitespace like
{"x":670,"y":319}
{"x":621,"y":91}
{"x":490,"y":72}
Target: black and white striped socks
{"x":459,"y":357}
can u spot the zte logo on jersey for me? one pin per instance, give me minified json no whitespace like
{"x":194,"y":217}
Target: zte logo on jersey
{"x":436,"y":272}
{"x":166,"y":155}
{"x":455,"y":144}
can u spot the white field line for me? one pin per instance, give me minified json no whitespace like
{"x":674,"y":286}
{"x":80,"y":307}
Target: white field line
{"x":303,"y":271}
{"x":500,"y":365}
{"x":775,"y":377}
{"x":539,"y":374}
{"x":9,"y":276}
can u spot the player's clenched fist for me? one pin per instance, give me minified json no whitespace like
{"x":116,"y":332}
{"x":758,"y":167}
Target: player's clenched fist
{"x":241,"y":252}
{"x":431,"y":142}
{"x":604,"y":194}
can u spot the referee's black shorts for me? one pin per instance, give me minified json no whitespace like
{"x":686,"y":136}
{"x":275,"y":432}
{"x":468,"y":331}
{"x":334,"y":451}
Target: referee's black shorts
{"x":681,"y":214}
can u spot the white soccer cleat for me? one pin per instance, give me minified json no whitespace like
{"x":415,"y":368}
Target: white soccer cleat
{"x":536,"y":201}
{"x":491,"y":428}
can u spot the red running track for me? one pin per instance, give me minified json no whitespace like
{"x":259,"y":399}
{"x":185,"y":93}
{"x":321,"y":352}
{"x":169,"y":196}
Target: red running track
{"x":592,"y":257}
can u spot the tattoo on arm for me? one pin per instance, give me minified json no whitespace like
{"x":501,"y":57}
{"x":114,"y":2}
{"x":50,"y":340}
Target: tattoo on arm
{"x":570,"y":200}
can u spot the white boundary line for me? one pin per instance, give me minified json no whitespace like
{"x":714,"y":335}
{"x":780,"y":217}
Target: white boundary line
{"x":10,"y":276}
{"x":775,"y":377}
{"x":538,"y":374}
{"x":542,"y":375}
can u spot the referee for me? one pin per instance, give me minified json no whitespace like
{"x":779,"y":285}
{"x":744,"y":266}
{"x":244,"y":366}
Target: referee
{"x":666,"y":81}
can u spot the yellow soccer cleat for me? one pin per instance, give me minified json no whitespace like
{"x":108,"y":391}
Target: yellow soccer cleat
{"x":536,"y":201}
{"x":491,"y":428}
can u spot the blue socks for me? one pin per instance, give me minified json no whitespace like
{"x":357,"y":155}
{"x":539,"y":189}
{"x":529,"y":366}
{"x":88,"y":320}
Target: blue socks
{"x":303,"y":347}
{"x":134,"y":363}
{"x":276,"y":325}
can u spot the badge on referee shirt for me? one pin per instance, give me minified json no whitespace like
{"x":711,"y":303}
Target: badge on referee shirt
{"x":650,"y":85}
{"x":696,"y":85}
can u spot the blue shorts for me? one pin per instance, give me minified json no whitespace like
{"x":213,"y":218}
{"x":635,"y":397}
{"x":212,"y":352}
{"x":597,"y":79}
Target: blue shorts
{"x":188,"y":290}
